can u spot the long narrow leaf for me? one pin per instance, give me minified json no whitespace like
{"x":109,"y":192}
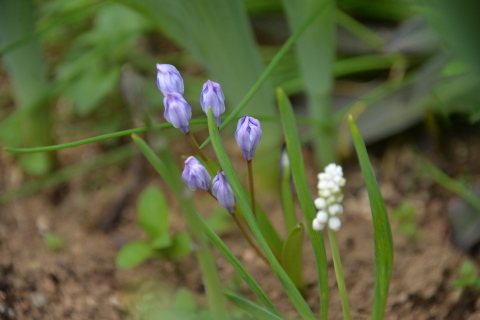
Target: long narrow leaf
{"x":242,"y":200}
{"x":250,"y":307}
{"x":381,"y":227}
{"x":304,"y":196}
{"x":203,"y":226}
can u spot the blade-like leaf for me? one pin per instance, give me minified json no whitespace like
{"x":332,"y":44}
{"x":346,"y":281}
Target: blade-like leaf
{"x":242,"y":200}
{"x":252,"y":308}
{"x":133,"y":253}
{"x":292,"y":254}
{"x":306,"y":202}
{"x":381,"y":227}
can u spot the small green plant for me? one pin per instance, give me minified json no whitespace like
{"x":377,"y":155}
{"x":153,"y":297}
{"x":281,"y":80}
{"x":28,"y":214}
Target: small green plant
{"x":153,"y":218}
{"x":53,"y":241}
{"x":468,"y":277}
{"x":405,"y":215}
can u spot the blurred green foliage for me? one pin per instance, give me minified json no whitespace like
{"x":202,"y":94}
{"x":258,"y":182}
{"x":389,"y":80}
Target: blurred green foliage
{"x":468,"y":276}
{"x":153,"y":218}
{"x":405,"y":215}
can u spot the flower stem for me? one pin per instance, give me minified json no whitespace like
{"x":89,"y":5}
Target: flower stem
{"x":194,"y":144}
{"x":245,"y":233}
{"x":337,"y":263}
{"x":252,"y":190}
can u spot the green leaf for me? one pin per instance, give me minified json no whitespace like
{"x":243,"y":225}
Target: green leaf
{"x":381,"y":227}
{"x":255,"y":310}
{"x":97,"y":83}
{"x":181,"y":245}
{"x":153,"y":216}
{"x":242,"y":200}
{"x":292,"y":254}
{"x":133,"y":254}
{"x":184,"y":301}
{"x":303,"y":192}
{"x":161,"y":241}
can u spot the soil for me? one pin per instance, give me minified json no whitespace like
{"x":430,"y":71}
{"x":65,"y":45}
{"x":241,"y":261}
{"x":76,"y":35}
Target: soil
{"x":81,"y":280}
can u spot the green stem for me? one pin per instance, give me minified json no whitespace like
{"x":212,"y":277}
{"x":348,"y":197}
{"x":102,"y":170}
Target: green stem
{"x":339,"y":274}
{"x":252,"y":190}
{"x":268,"y":70}
{"x":286,"y":194}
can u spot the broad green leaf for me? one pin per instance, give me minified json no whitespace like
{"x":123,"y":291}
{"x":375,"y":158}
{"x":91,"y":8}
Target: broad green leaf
{"x":153,"y":216}
{"x":381,"y":227}
{"x":255,"y":310}
{"x":133,"y":254}
{"x":304,"y":197}
{"x":242,"y":200}
{"x":203,"y":226}
{"x":184,"y":301}
{"x":161,"y":241}
{"x":181,"y":245}
{"x":292,"y":255}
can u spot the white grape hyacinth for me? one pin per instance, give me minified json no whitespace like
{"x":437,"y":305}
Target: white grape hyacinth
{"x":330,"y":197}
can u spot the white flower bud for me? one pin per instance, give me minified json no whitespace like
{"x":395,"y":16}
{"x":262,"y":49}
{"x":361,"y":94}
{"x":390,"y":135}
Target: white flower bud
{"x":334,"y":223}
{"x":320,"y":203}
{"x":317,"y":226}
{"x":322,"y":216}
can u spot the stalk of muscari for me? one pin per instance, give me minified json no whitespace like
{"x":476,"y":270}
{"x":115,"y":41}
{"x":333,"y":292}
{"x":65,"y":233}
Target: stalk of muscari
{"x":248,"y":135}
{"x":329,"y":207}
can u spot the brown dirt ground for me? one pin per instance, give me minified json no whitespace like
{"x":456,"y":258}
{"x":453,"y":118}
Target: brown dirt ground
{"x":81,"y":281}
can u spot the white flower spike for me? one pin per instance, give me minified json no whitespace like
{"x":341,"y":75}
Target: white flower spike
{"x":330,"y":194}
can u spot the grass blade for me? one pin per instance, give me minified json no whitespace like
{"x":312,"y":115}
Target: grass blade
{"x":203,"y":226}
{"x":242,"y":200}
{"x":252,"y":308}
{"x":304,"y":196}
{"x":381,"y":227}
{"x":448,"y":183}
{"x":292,"y":254}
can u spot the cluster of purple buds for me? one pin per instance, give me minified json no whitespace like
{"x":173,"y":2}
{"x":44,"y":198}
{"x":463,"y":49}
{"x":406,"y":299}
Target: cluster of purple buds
{"x":196,"y":177}
{"x":177,"y":110}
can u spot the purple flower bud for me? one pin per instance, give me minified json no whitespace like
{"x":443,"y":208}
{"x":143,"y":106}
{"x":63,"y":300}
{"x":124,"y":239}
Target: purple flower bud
{"x":169,"y":79}
{"x":177,"y":111}
{"x":212,"y":96}
{"x":195,"y":175}
{"x":223,"y":192}
{"x":248,"y":135}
